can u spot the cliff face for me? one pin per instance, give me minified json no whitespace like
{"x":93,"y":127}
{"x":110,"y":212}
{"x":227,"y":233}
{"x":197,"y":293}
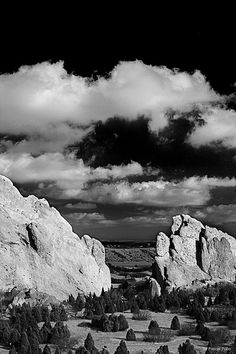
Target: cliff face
{"x":194,"y":252}
{"x":39,"y":250}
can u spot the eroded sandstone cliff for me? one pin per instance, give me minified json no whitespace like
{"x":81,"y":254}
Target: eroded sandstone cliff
{"x":39,"y":250}
{"x":194,"y":252}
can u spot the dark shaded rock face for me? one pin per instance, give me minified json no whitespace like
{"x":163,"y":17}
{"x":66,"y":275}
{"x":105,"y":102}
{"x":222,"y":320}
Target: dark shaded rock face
{"x":194,"y":252}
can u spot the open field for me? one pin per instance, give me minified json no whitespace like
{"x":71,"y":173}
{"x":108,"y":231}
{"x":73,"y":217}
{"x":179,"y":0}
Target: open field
{"x":80,"y":328}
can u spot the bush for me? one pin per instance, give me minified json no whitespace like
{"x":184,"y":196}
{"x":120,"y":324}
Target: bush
{"x":186,"y":348}
{"x":218,"y":336}
{"x":89,"y":344}
{"x":187,"y":329}
{"x":175,"y":325}
{"x":110,"y":323}
{"x":163,"y":350}
{"x":142,"y":315}
{"x":60,"y":334}
{"x":130,"y":335}
{"x":154,"y":328}
{"x":164,"y":336}
{"x":122,"y":348}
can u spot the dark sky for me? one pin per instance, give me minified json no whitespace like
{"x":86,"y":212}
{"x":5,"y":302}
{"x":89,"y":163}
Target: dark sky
{"x":137,"y":124}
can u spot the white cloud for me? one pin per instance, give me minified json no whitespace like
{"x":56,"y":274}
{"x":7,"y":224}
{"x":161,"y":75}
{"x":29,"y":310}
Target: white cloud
{"x":217,"y":214}
{"x":65,"y":177}
{"x":41,"y":98}
{"x":190,"y":191}
{"x":89,"y":219}
{"x":220,"y":126}
{"x":66,"y":171}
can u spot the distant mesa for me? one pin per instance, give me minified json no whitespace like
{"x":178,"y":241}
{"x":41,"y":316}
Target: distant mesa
{"x":193,"y":253}
{"x":39,"y":250}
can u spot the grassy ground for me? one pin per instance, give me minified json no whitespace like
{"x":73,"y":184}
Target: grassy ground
{"x":80,"y":328}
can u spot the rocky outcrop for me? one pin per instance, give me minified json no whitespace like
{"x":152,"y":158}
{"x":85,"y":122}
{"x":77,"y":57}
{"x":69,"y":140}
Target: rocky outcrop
{"x":39,"y":250}
{"x":194,"y":252}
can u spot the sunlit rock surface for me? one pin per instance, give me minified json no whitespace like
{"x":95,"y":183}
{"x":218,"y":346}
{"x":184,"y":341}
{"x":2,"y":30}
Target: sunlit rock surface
{"x":194,"y":252}
{"x":39,"y":250}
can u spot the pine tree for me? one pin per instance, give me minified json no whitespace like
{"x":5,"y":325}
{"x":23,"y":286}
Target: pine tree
{"x":122,"y":348}
{"x":186,"y":348}
{"x":12,"y":350}
{"x":164,"y":349}
{"x":123,"y":324}
{"x":15,"y":338}
{"x":46,"y":350}
{"x":24,"y":344}
{"x":57,"y":351}
{"x":130,"y":335}
{"x":154,"y":328}
{"x":63,"y":314}
{"x":89,"y":344}
{"x":175,"y":325}
{"x":34,"y":342}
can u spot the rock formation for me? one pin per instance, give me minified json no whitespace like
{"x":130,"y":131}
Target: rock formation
{"x":194,"y":252}
{"x":39,"y":250}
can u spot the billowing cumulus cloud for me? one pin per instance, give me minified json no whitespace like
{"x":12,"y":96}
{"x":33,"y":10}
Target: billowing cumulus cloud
{"x":41,"y":99}
{"x":65,"y":170}
{"x":189,"y":191}
{"x":219,"y":127}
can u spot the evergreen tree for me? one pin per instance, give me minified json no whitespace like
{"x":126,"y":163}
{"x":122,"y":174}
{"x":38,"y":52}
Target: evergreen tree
{"x":89,"y":344}
{"x":82,"y":350}
{"x":12,"y":350}
{"x":36,"y":312}
{"x":46,"y":350}
{"x":123,"y":324}
{"x":63,"y":314}
{"x":175,"y":324}
{"x":24,"y":344}
{"x":130,"y":335}
{"x":186,"y":348}
{"x":154,"y":328}
{"x":134,"y":307}
{"x":34,"y":342}
{"x":164,"y":349}
{"x":122,"y":348}
{"x":57,"y":351}
{"x":209,"y":302}
{"x":15,"y":338}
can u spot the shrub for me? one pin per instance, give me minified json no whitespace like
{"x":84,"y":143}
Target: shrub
{"x":187,"y":329}
{"x":60,"y":334}
{"x":123,"y":324}
{"x":218,"y":336}
{"x":46,"y":350}
{"x":163,"y":350}
{"x":164,"y":336}
{"x":89,"y":344}
{"x":122,"y":348}
{"x":154,"y":328}
{"x":142,"y":315}
{"x":186,"y":348}
{"x":175,"y":325}
{"x":82,"y":350}
{"x":134,"y":307}
{"x":110,"y":323}
{"x":199,"y":329}
{"x":24,"y":344}
{"x":130,"y":335}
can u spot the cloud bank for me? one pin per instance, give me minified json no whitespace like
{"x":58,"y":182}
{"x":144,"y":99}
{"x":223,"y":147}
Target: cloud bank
{"x":50,"y":106}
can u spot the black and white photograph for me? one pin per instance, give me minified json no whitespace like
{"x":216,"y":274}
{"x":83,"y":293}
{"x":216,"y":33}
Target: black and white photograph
{"x":118,"y":182}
